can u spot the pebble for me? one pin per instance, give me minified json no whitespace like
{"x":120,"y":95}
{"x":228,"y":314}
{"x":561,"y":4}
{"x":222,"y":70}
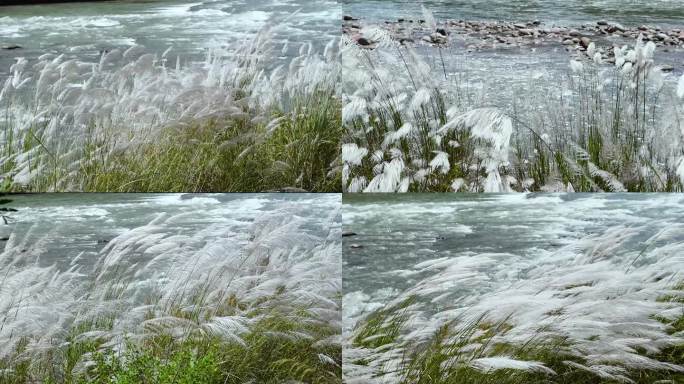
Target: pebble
{"x":481,"y":35}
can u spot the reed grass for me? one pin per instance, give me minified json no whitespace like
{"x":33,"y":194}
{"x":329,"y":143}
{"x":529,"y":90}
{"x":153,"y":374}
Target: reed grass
{"x":410,"y":127}
{"x":455,"y":353}
{"x":238,"y":121}
{"x":299,"y":155}
{"x":272,"y":352}
{"x":256,"y":304}
{"x":603,"y":307}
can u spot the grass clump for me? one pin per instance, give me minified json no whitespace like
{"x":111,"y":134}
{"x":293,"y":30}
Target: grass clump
{"x":217,"y":156}
{"x":261,"y":305}
{"x":445,"y":360}
{"x":412,"y":128}
{"x":235,"y":122}
{"x":183,"y":365}
{"x":469,"y":351}
{"x":278,"y":348}
{"x":262,"y":358}
{"x":383,"y":327}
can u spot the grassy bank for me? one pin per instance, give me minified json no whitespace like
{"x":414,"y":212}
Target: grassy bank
{"x":274,"y":350}
{"x":225,"y":302}
{"x":412,"y":126}
{"x":134,"y":122}
{"x":605,"y":307}
{"x":299,"y":154}
{"x":473,"y":351}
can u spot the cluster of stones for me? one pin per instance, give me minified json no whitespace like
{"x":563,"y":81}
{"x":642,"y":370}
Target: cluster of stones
{"x":481,"y":35}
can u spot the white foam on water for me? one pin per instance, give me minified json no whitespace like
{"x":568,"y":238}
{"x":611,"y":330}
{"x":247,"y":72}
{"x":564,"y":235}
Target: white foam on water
{"x":73,"y":213}
{"x":98,"y":22}
{"x":182,"y":199}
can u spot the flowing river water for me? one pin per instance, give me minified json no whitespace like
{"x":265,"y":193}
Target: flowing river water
{"x":396,"y":233}
{"x":55,"y":229}
{"x":516,"y":71}
{"x":85,"y":30}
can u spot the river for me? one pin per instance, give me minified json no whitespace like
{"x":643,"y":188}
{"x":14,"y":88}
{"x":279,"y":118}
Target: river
{"x":515,"y":72}
{"x":85,"y":30}
{"x":56,"y":229}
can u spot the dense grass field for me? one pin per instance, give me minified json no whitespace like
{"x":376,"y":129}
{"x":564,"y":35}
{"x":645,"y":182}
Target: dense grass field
{"x":582,"y":290}
{"x":242,"y":120}
{"x":219,"y":292}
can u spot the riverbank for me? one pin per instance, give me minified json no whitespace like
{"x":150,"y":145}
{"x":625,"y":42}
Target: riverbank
{"x":244,"y":120}
{"x":476,"y":36}
{"x":170,"y":288}
{"x":513,"y":288}
{"x":591,"y":108}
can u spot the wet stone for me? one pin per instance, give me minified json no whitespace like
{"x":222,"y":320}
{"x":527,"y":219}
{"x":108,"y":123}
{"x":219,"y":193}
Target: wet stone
{"x":363,"y":41}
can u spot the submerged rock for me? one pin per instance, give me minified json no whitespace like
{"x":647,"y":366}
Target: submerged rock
{"x":363,"y":41}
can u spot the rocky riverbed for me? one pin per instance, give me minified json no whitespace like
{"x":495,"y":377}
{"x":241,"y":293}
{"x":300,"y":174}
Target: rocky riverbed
{"x":485,"y":35}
